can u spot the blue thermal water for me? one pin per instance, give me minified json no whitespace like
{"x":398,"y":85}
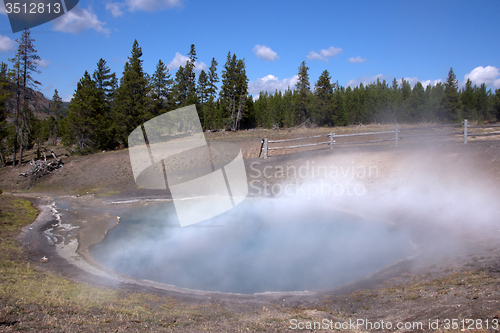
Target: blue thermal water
{"x":261,"y":245}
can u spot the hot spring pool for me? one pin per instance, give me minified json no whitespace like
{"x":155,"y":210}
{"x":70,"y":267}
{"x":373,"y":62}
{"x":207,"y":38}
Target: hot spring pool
{"x":259,"y":246}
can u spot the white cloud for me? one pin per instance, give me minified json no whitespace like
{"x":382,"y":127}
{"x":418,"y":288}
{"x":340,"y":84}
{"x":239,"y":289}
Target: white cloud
{"x":271,"y":83}
{"x":367,"y":80}
{"x":413,"y":81}
{"x":180,"y":60}
{"x":265,"y":53}
{"x":43,"y":63}
{"x":314,"y":56}
{"x":6,"y":44}
{"x":357,"y":60}
{"x":78,"y":20}
{"x":2,"y":8}
{"x":490,"y":75}
{"x":331,"y":52}
{"x":152,"y":5}
{"x":431,"y":82}
{"x":371,"y":79}
{"x":115,"y":8}
{"x":324,"y":54}
{"x":68,"y":98}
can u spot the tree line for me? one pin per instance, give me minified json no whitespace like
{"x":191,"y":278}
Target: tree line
{"x":329,"y":104}
{"x":105,"y":109}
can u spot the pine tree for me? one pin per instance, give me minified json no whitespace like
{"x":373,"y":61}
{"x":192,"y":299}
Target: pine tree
{"x":203,"y":95}
{"x":161,"y":88}
{"x":395,"y":101}
{"x":132,"y":103}
{"x":213,"y":79}
{"x":290,"y":118}
{"x":469,"y":101}
{"x":86,"y":111}
{"x":210,"y":109}
{"x":483,"y":105}
{"x":275,"y":111}
{"x":56,"y":106}
{"x":105,"y":81}
{"x":234,"y":91}
{"x":26,"y":60}
{"x":380,"y":101}
{"x":417,"y":103}
{"x":428,"y":114}
{"x":4,"y":96}
{"x":180,"y":88}
{"x":261,"y":110}
{"x":249,"y":120}
{"x":203,"y":86}
{"x":323,"y":91}
{"x":360,"y":115}
{"x":405,"y":112}
{"x":496,"y":103}
{"x":435,"y":102}
{"x":303,"y":90}
{"x":339,"y":116}
{"x":106,"y":84}
{"x":451,"y":99}
{"x":25,"y":65}
{"x":190,"y":77}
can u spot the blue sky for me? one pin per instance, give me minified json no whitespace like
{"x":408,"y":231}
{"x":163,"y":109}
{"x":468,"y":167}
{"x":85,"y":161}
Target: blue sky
{"x":356,"y":41}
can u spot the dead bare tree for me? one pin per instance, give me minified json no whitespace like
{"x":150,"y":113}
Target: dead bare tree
{"x":40,"y":168}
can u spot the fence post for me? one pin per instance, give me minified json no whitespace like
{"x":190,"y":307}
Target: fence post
{"x":265,"y":147}
{"x":331,"y":140}
{"x":465,"y":131}
{"x":397,"y":135}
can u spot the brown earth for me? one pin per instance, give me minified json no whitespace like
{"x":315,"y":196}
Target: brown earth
{"x":458,"y":280}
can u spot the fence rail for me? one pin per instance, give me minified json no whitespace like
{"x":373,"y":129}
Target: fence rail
{"x":286,"y":140}
{"x":264,"y":150}
{"x":484,"y":126}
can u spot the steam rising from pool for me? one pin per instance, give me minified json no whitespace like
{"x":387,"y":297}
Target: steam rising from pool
{"x":261,"y":245}
{"x":437,"y":199}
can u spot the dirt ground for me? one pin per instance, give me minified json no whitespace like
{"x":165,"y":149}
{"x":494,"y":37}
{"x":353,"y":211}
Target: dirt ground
{"x":453,"y":281}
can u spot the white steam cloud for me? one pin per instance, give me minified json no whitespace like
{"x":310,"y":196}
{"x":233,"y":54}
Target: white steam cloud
{"x":295,"y":235}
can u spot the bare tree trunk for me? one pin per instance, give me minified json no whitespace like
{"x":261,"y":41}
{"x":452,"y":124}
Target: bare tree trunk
{"x":20,"y":155}
{"x":16,"y":126}
{"x":54,"y":137}
{"x":233,"y":111}
{"x":2,"y":159}
{"x":21,"y":143}
{"x":239,"y":116}
{"x":23,"y":133}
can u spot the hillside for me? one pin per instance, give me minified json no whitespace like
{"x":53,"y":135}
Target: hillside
{"x":37,"y":102}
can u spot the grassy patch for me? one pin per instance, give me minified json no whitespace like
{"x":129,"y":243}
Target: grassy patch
{"x":14,"y":214}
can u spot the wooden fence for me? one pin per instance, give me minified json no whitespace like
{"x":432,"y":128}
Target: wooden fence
{"x":397,"y":135}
